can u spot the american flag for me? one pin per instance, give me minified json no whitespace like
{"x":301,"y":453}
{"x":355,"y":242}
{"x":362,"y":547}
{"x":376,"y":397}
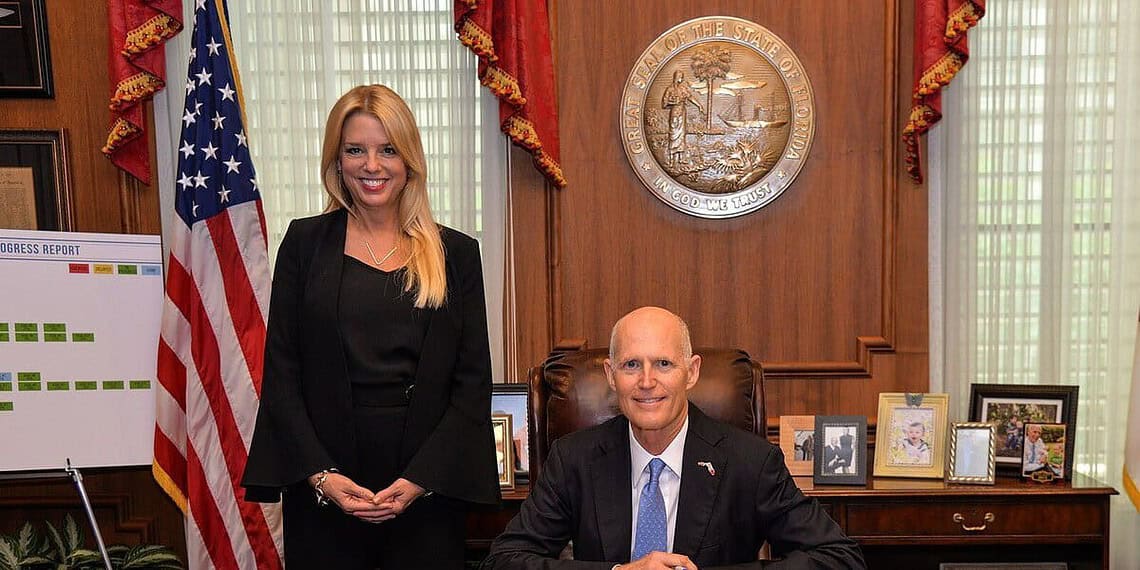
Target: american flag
{"x":210,"y":352}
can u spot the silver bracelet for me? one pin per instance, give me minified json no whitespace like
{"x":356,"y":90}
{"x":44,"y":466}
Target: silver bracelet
{"x":323,"y":499}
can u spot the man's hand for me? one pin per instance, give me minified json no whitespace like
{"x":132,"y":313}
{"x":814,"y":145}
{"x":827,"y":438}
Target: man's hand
{"x":348,"y":496}
{"x":395,"y":499}
{"x":660,"y":561}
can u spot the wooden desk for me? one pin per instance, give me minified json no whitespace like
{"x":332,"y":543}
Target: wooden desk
{"x":918,"y":523}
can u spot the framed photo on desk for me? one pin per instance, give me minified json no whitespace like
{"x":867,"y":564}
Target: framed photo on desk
{"x":504,"y":451}
{"x":1009,"y":408}
{"x":514,"y":401}
{"x":911,"y":435}
{"x":972,"y":446}
{"x":840,"y":448}
{"x":797,"y":441}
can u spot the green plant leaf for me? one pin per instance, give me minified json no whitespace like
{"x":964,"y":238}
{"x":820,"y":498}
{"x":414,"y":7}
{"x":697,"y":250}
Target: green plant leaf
{"x":151,"y":556}
{"x":27,"y":541}
{"x":9,"y":560}
{"x":83,"y":558}
{"x":72,"y":533}
{"x":55,"y":548}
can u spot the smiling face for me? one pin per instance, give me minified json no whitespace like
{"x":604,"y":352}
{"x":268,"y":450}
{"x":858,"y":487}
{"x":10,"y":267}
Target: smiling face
{"x":652,"y":374}
{"x":371,"y":168}
{"x":914,"y":433}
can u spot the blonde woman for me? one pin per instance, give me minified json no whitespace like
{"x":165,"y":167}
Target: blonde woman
{"x":374,"y":424}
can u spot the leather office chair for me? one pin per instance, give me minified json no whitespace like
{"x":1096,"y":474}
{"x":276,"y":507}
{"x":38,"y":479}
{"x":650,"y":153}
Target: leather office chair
{"x":569,"y":391}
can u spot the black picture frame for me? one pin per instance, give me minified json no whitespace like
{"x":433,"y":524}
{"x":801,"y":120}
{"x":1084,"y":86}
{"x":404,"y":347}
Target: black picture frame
{"x":514,"y":400}
{"x":846,"y":463}
{"x":45,"y":153}
{"x":994,"y":403}
{"x":25,"y":69}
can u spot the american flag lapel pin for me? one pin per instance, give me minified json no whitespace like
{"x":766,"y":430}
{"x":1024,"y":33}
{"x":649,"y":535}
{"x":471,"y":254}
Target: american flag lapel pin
{"x":708,"y":465}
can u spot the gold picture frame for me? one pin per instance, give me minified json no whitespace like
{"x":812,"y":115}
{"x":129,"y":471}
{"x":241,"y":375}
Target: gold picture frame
{"x":911,"y":435}
{"x":504,"y":453}
{"x":797,"y":441}
{"x":973,"y":451}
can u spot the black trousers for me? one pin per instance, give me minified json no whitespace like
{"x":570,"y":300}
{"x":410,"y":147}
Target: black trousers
{"x":428,"y":535}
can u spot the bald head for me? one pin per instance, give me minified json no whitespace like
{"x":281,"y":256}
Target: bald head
{"x":651,"y":318}
{"x":651,"y":369}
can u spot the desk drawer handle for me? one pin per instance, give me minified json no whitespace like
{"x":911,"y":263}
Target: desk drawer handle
{"x":988,"y":518}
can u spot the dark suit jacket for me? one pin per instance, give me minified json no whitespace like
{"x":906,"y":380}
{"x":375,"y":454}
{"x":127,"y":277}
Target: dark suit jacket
{"x":584,"y":494}
{"x":304,"y":423}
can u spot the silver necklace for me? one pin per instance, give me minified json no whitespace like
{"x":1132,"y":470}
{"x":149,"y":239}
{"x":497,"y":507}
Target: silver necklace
{"x":381,"y":260}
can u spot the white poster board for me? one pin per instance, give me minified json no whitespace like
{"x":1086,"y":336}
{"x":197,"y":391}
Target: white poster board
{"x":79,"y":323}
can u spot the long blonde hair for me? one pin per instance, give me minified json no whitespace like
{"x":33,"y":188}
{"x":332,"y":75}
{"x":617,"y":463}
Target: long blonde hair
{"x":426,"y":274}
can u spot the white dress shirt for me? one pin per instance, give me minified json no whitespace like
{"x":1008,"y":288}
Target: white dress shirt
{"x":670,"y":480}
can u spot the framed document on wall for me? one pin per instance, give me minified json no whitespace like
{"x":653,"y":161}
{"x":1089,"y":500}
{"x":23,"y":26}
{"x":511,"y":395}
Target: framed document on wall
{"x":25,"y":69}
{"x":34,"y":185}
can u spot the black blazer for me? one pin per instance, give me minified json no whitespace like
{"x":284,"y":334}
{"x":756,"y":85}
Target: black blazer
{"x":584,"y":494}
{"x":304,"y":423}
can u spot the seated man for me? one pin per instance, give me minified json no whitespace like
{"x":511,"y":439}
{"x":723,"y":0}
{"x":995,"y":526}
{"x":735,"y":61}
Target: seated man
{"x":663,"y":485}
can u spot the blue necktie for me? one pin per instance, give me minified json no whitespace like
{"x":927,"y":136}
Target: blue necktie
{"x":651,"y":521}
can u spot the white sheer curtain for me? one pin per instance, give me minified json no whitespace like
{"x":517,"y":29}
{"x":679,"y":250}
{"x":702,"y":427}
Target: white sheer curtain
{"x":1035,"y":220}
{"x":296,"y":57}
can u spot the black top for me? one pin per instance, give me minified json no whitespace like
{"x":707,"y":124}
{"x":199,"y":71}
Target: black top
{"x":381,"y":366}
{"x":305,"y":421}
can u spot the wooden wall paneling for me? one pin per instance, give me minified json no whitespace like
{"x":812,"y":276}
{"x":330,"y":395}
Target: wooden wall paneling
{"x":129,"y":504}
{"x":101,"y":199}
{"x":531,"y":201}
{"x":127,"y":510}
{"x":912,"y":339}
{"x":815,"y":284}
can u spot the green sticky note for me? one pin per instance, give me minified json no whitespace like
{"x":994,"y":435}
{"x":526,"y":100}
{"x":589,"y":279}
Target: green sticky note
{"x":27,"y":376}
{"x":55,"y":327}
{"x":112,"y":384}
{"x":86,"y":385}
{"x":57,"y":386}
{"x":4,"y":337}
{"x":29,"y":386}
{"x":5,"y":386}
{"x":140,"y":384}
{"x":55,"y":337}
{"x":82,"y":337}
{"x":27,"y":337}
{"x":27,"y":327}
{"x":4,"y":327}
{"x":5,"y":406}
{"x":128,"y":270}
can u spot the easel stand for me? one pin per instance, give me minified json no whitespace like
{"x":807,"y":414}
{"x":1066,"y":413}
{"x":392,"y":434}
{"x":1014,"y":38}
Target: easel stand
{"x":75,"y":475}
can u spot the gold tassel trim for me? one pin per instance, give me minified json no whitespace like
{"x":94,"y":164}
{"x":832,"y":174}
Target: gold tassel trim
{"x":523,"y":133}
{"x":937,"y":76}
{"x":964,"y":18}
{"x":477,"y":40}
{"x":503,"y":85}
{"x":152,"y":33}
{"x":136,"y":88}
{"x":121,"y":133}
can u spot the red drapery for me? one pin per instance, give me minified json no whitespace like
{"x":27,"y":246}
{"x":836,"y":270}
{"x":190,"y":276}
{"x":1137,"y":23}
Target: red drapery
{"x":138,"y":30}
{"x":512,"y":40}
{"x":940,"y":51}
